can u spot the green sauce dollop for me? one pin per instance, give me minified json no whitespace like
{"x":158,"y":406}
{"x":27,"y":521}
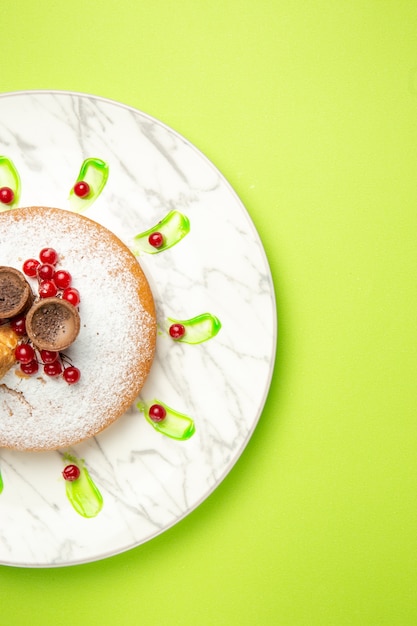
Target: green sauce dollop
{"x":199,"y":328}
{"x":95,"y":172}
{"x":175,"y":425}
{"x":9,"y":177}
{"x":173,"y":227}
{"x":82,"y":493}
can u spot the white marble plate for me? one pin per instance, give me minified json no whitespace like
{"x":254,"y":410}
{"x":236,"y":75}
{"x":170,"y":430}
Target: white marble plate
{"x":148,"y":481}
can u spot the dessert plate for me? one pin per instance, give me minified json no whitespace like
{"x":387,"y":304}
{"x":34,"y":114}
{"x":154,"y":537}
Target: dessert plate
{"x":146,"y":481}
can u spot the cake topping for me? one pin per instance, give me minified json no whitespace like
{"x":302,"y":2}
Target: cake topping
{"x":30,"y":267}
{"x":55,"y":364}
{"x":24,"y":353}
{"x":72,"y":375}
{"x":62,"y":279}
{"x":15,"y":293}
{"x":29,"y":368}
{"x":51,"y":281}
{"x":45,"y":271}
{"x":47,"y":289}
{"x":72,"y":296}
{"x":48,"y":255}
{"x":18,"y":325}
{"x":53,"y":324}
{"x":53,"y":369}
{"x":49,"y":356}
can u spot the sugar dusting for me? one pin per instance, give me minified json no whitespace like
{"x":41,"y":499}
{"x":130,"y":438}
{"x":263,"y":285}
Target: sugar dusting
{"x":115,"y":345}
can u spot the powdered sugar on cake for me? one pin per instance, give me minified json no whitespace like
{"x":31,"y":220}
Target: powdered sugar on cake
{"x":117,"y":333}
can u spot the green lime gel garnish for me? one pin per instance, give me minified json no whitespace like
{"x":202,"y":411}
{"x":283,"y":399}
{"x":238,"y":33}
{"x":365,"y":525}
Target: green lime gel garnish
{"x":175,"y":425}
{"x":173,"y":227}
{"x":1,"y":483}
{"x":197,"y":329}
{"x":95,"y":173}
{"x":82,"y":493}
{"x":9,"y":177}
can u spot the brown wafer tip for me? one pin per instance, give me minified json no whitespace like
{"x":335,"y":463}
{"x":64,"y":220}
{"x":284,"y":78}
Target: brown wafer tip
{"x":52,"y":324}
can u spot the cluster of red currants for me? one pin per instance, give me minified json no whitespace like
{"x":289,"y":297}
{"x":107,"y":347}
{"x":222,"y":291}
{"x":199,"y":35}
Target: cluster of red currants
{"x":51,"y":282}
{"x":54,"y":363}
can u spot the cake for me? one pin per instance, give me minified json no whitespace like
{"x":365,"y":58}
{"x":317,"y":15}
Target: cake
{"x":115,"y":334}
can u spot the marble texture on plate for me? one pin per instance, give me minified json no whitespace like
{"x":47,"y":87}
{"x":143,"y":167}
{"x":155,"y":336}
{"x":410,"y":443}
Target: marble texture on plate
{"x":148,"y":481}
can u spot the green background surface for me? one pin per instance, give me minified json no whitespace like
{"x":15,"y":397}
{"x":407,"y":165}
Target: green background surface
{"x":309,"y":109}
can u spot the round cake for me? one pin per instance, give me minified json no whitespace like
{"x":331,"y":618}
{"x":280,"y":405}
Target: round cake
{"x":115,"y":340}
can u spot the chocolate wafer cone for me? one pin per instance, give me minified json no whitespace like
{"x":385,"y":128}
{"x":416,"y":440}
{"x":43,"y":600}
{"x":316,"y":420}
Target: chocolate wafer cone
{"x":52,"y":324}
{"x":15,"y":293}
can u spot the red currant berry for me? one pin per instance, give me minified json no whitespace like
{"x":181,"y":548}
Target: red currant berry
{"x":81,"y":189}
{"x":71,"y":472}
{"x":157,"y":413}
{"x":18,"y":325}
{"x":30,"y":368}
{"x":156,"y":240}
{"x":48,"y":356}
{"x":62,"y":279}
{"x":48,"y":255}
{"x":6,"y":195}
{"x":53,"y":369}
{"x":72,"y":375}
{"x":177,"y":331}
{"x":47,"y":289}
{"x":72,"y":296}
{"x":46,"y":271}
{"x":24,"y":353}
{"x":30,"y":267}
